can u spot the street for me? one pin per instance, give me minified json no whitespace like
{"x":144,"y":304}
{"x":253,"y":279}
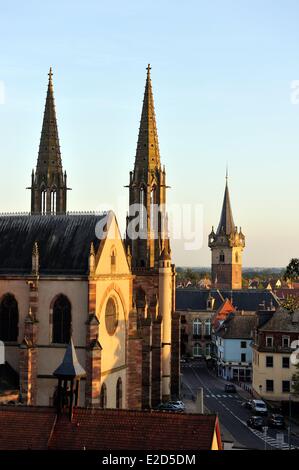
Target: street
{"x":232,"y":415}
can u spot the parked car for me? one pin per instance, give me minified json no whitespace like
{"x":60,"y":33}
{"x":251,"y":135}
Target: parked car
{"x":230,"y":388}
{"x":256,"y":422}
{"x":259,"y":407}
{"x":276,"y":421}
{"x":247,"y":404}
{"x":179,"y":404}
{"x":169,"y":407}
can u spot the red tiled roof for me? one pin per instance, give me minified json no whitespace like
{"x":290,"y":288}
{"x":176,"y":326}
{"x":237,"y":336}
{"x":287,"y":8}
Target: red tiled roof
{"x":23,"y":428}
{"x":97,"y":429}
{"x":223,"y":311}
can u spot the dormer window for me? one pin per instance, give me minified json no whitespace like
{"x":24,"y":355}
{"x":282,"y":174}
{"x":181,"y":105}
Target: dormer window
{"x":269,"y":341}
{"x":285,"y":341}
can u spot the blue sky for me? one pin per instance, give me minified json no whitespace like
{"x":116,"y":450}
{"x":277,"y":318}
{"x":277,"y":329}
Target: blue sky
{"x":221,"y":73}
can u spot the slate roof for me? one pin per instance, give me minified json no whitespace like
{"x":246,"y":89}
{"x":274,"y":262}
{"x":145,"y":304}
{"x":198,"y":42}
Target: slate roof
{"x":246,"y":299}
{"x":282,"y":321}
{"x":238,"y":326}
{"x":34,"y":428}
{"x":226,"y":222}
{"x":70,"y":366}
{"x":63,"y":242}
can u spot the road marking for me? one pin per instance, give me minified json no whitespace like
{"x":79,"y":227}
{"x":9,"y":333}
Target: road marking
{"x":258,"y":434}
{"x":207,"y":396}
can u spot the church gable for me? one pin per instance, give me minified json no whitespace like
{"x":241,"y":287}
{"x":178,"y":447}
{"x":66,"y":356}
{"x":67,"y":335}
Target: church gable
{"x":111,"y":257}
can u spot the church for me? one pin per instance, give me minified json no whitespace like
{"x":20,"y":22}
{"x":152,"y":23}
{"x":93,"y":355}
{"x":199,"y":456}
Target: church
{"x":70,"y":278}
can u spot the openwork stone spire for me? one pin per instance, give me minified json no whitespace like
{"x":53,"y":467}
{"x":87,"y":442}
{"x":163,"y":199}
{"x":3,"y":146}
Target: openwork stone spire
{"x":49,"y":157}
{"x":48,"y":182}
{"x":147,"y":189}
{"x":147,"y":153}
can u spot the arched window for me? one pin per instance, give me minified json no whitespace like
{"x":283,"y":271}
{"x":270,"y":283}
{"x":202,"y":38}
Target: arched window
{"x":53,"y":201}
{"x":221,"y":257}
{"x":111,"y":316}
{"x":197,"y":327}
{"x":119,"y":394}
{"x":103,"y":396}
{"x":237,"y":257}
{"x":62,"y":319}
{"x":9,"y":318}
{"x":142,"y":213}
{"x":43,"y":201}
{"x":153,"y":209}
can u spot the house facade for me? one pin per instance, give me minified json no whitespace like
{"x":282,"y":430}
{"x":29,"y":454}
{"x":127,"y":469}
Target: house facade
{"x":233,"y":350}
{"x":275,"y":343}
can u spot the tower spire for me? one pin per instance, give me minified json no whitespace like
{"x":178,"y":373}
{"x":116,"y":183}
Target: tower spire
{"x":49,"y":156}
{"x":147,"y":152}
{"x":227,"y":245}
{"x":48,"y":185}
{"x":147,"y":188}
{"x":226,"y":223}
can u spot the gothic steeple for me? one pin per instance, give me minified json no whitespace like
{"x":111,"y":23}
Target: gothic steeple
{"x":147,"y":189}
{"x":147,"y":153}
{"x":48,"y":184}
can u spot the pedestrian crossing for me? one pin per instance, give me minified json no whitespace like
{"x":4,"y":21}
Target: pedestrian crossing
{"x":220,"y":396}
{"x":271,"y":441}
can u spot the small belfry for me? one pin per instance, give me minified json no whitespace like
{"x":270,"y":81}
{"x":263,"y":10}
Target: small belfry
{"x":147,"y":189}
{"x":48,"y":182}
{"x":227,"y":245}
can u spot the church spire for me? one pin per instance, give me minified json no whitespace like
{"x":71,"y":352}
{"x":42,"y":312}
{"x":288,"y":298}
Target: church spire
{"x":49,"y":157}
{"x":147,"y":153}
{"x":226,"y":223}
{"x":147,"y":189}
{"x":48,"y":185}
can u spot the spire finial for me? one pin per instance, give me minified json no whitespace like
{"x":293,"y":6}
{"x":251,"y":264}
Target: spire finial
{"x":148,"y":68}
{"x":50,"y":74}
{"x":226,"y":173}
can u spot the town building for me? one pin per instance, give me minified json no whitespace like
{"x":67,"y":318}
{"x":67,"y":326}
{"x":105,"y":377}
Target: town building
{"x":66,"y":275}
{"x":274,"y":348}
{"x":201,"y":310}
{"x":233,"y":351}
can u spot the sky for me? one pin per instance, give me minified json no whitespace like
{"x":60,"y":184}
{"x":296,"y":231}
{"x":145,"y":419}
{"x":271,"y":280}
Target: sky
{"x":222,"y":76}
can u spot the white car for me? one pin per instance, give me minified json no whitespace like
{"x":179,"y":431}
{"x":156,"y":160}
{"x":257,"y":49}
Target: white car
{"x":259,"y":407}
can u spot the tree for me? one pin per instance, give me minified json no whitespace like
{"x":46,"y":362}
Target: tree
{"x":292,"y":270}
{"x":291,"y":303}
